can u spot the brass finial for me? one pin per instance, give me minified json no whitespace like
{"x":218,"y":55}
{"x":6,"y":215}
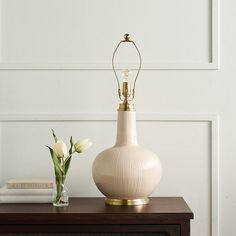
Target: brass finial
{"x":126,"y":37}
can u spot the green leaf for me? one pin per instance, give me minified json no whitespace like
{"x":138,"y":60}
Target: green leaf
{"x":54,"y":135}
{"x":71,"y":145}
{"x":67,"y":163}
{"x":68,"y":159}
{"x":51,"y":150}
{"x":57,"y":165}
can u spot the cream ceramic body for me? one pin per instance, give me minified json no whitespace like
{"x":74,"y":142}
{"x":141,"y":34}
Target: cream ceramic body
{"x":126,"y":170}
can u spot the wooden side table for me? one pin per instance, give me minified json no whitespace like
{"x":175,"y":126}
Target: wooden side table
{"x":164,"y":216}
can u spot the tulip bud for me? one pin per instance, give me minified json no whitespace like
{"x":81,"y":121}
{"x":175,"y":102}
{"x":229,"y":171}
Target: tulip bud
{"x":82,"y":145}
{"x":60,"y":149}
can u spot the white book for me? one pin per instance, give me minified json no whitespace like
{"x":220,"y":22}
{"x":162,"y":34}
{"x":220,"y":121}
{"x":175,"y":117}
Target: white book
{"x":26,"y":199}
{"x":16,"y":192}
{"x":29,"y":184}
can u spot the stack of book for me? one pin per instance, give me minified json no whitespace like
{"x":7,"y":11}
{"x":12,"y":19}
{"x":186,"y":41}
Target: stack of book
{"x":27,"y":191}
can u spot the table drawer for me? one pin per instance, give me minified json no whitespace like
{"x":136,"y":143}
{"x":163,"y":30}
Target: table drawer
{"x":92,"y":230}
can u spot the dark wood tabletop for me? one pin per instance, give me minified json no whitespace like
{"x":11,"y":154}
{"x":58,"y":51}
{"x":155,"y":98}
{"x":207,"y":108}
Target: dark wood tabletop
{"x":80,"y":209}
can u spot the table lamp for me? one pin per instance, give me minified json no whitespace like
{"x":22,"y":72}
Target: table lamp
{"x":126,"y":173}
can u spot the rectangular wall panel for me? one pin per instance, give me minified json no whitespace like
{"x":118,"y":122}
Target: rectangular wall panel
{"x":82,"y":34}
{"x":185,"y":144}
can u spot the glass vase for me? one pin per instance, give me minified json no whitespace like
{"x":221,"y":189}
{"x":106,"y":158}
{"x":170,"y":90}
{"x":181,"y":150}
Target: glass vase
{"x":61,"y":194}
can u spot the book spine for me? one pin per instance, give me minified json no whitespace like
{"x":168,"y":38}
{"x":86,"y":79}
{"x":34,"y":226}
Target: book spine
{"x":26,"y":199}
{"x":29,"y":185}
{"x":20,"y":192}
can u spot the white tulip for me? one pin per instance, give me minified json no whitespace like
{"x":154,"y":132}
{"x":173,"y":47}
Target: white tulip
{"x":82,"y":145}
{"x":60,"y":149}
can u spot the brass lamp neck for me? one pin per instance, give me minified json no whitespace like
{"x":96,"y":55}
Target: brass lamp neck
{"x":126,"y":92}
{"x":126,"y":106}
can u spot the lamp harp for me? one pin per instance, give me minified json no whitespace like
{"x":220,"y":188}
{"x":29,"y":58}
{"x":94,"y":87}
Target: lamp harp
{"x":127,"y":97}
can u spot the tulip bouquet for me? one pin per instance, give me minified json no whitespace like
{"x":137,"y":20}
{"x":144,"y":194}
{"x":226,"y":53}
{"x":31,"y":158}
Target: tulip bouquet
{"x":61,"y":159}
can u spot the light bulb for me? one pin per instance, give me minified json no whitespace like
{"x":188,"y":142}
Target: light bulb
{"x":126,"y":75}
{"x":126,"y":88}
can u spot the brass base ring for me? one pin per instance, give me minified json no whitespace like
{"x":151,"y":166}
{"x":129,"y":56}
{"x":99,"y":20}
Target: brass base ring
{"x":126,"y":202}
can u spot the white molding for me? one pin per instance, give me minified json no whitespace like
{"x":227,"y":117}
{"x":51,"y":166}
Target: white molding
{"x":213,"y":63}
{"x":213,"y":120}
{"x":107,"y":66}
{"x":1,"y":160}
{"x":215,"y":176}
{"x":0,"y":31}
{"x":63,"y":116}
{"x":215,"y":58}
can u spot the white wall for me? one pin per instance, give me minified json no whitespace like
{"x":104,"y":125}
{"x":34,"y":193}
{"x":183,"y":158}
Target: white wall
{"x":180,"y":35}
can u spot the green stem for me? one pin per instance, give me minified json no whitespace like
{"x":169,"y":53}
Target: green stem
{"x":59,"y":185}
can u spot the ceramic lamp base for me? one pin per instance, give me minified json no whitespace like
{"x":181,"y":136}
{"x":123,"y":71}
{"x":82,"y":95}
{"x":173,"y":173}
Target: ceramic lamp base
{"x":126,"y":173}
{"x":126,"y":202}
